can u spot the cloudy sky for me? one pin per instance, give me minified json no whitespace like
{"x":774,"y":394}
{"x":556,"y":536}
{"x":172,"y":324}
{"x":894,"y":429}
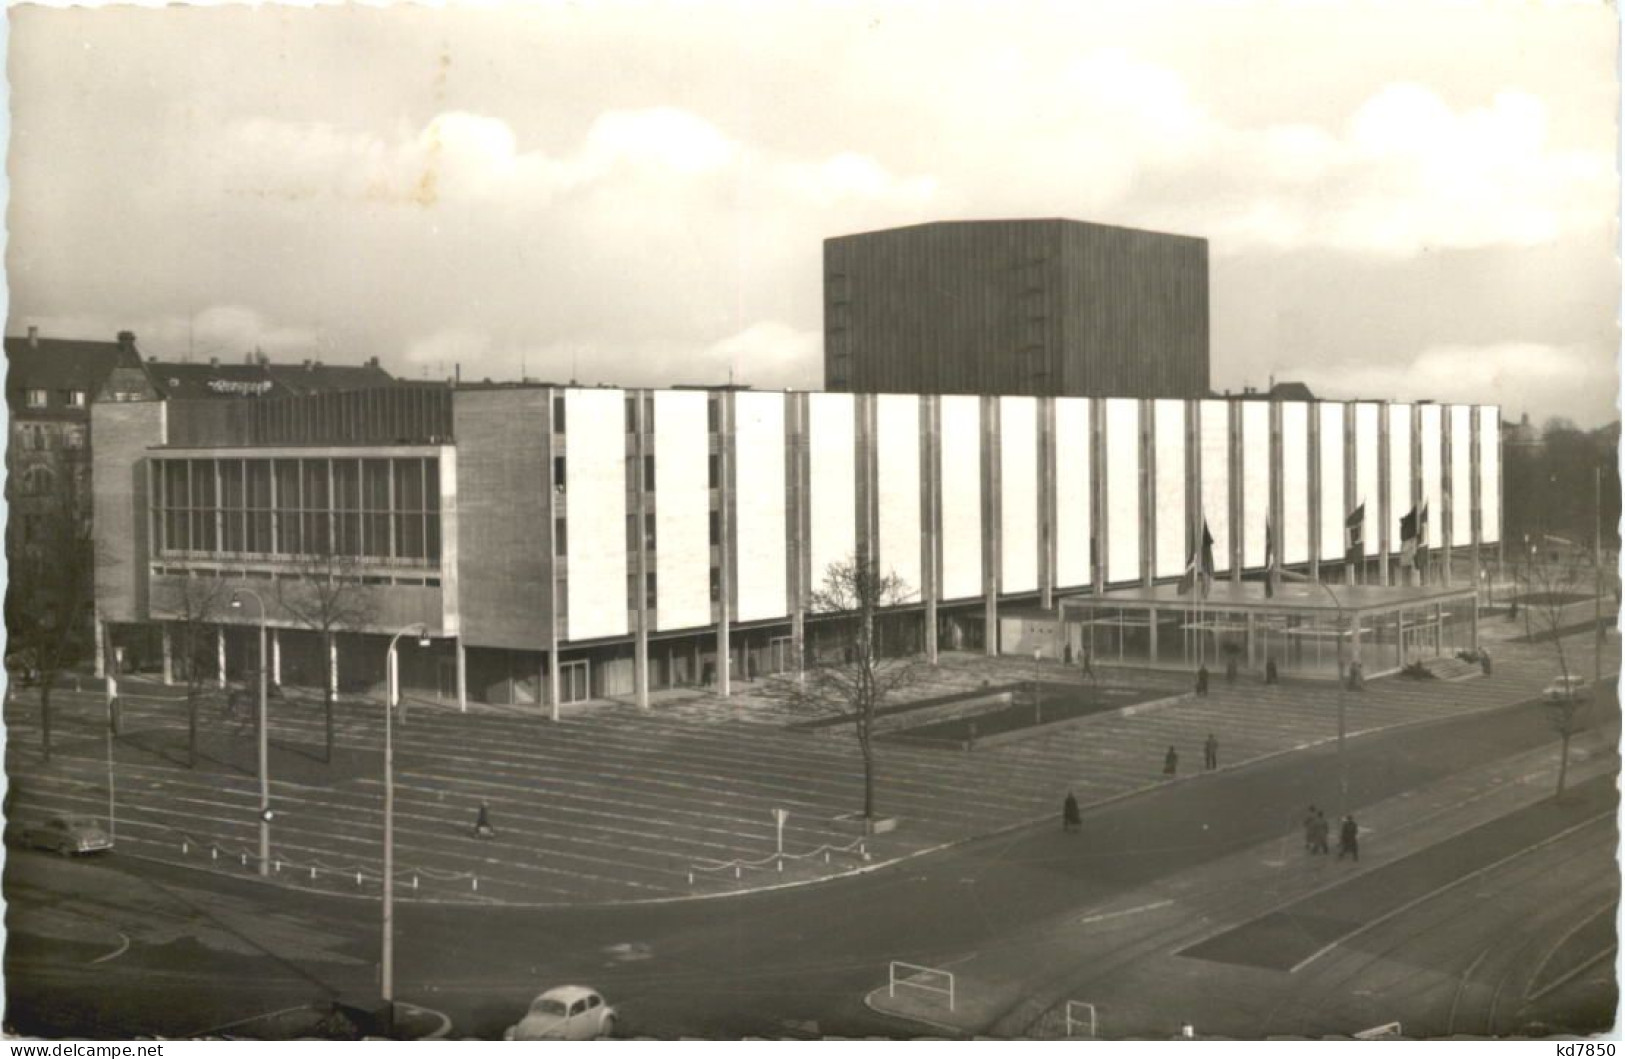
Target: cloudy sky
{"x":1401,"y":200}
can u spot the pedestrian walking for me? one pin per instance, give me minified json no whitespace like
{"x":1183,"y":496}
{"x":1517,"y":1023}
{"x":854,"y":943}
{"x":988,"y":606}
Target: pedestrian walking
{"x":1170,"y":763}
{"x":1071,"y":819}
{"x":1272,"y":675}
{"x":1201,"y":681}
{"x":1067,"y":654}
{"x":1323,"y":833}
{"x":1348,"y":839}
{"x":482,"y":823}
{"x":1088,"y":663}
{"x":1484,"y":662}
{"x":1210,"y":752}
{"x":1309,"y":830}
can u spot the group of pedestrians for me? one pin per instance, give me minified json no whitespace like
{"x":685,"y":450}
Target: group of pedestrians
{"x":1317,"y":832}
{"x":1086,"y":661}
{"x":1210,"y":757}
{"x":1272,"y":674}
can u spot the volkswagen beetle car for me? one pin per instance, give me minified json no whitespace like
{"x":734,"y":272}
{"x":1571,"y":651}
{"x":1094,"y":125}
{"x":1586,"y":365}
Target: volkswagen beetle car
{"x":69,"y":835}
{"x":567,"y":1013}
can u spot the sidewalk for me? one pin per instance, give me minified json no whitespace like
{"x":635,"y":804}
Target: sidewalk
{"x":1020,"y":988}
{"x":620,"y":804}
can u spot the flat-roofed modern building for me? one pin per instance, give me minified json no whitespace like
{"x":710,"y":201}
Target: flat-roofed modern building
{"x":1046,"y":307}
{"x":561,"y":544}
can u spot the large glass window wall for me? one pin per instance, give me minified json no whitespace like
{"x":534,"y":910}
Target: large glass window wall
{"x":379,"y":509}
{"x":1318,"y":643}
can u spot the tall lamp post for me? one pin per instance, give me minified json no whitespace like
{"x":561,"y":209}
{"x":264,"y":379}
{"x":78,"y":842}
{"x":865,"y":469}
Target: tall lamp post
{"x":387,"y":960}
{"x":1342,"y":709}
{"x":265,"y":745}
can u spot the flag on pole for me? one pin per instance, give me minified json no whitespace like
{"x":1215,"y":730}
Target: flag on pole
{"x":1269,"y":557}
{"x":1422,"y":536}
{"x":1207,"y":559}
{"x":1354,"y":530}
{"x":1407,"y":537}
{"x":1199,"y":568}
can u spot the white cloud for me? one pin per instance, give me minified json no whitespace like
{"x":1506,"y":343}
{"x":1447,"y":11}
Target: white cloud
{"x":1516,"y":375}
{"x":1409,"y":175}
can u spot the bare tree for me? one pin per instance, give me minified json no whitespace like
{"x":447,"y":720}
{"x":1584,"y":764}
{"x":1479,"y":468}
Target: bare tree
{"x":327,"y":595}
{"x":854,"y":679}
{"x":1549,"y":586}
{"x":193,"y":606}
{"x":51,"y":595}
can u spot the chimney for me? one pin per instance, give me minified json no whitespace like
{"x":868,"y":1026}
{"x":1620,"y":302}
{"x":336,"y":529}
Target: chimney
{"x":126,"y":341}
{"x":33,"y":337}
{"x":214,"y":362}
{"x":372,"y":363}
{"x":307,"y":365}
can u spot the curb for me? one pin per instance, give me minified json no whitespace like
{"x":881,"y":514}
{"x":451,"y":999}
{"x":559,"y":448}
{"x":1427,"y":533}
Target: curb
{"x":869,"y":1002}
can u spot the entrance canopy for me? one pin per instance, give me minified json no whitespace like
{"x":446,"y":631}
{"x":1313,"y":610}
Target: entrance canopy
{"x":1291,"y":597}
{"x":1305,"y":627}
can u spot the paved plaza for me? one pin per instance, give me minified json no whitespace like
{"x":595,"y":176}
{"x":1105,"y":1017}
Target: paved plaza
{"x":614,"y":803}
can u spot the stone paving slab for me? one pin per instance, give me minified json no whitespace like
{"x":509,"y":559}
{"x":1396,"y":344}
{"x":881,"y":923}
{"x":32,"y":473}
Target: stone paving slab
{"x":614,"y":803}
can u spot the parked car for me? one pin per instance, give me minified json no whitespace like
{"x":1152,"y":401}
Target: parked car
{"x":68,"y":835}
{"x":1565,"y":687}
{"x":566,"y":1013}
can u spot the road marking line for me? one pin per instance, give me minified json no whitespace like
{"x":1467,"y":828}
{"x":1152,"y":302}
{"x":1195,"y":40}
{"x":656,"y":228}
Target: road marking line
{"x":1430,"y":895}
{"x":1125,"y":912}
{"x":124,"y":945}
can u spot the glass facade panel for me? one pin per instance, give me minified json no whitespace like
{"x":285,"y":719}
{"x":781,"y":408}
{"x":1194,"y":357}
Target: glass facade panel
{"x":377,"y":508}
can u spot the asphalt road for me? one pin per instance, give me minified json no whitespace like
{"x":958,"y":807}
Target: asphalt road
{"x":203,"y":950}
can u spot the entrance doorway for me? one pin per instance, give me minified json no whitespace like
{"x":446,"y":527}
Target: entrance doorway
{"x":575,"y":681}
{"x":781,"y":654}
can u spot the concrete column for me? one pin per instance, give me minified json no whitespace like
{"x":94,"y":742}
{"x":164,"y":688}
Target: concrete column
{"x":799,"y":519}
{"x":1314,"y":492}
{"x":1046,"y":503}
{"x":220,"y":652}
{"x":169,"y":654}
{"x":1351,"y":490}
{"x":931,"y":517}
{"x":1252,"y":642}
{"x":1097,"y":494}
{"x":462,"y":674}
{"x":1151,"y":629}
{"x":1148,"y":491}
{"x":1447,"y":469}
{"x":99,"y":628}
{"x":991,"y":550}
{"x":639,"y":601}
{"x":1385,"y":513}
{"x":550,"y":455}
{"x":725,"y":430}
{"x":553,"y":681}
{"x":1238,"y":493}
{"x":276,"y":657}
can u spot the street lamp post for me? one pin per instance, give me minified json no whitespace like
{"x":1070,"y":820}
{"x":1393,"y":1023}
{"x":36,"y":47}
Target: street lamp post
{"x":265,"y":737}
{"x":1342,"y":709}
{"x":392,"y":681}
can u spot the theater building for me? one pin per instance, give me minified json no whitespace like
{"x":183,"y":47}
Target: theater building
{"x":561,"y":544}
